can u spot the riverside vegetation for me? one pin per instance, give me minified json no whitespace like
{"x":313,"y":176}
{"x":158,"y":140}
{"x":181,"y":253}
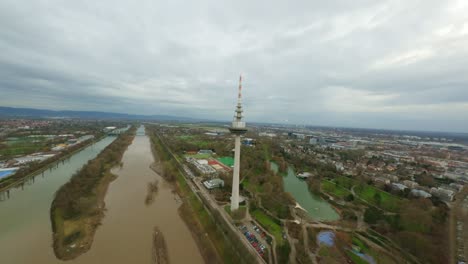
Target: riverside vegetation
{"x":78,"y":207}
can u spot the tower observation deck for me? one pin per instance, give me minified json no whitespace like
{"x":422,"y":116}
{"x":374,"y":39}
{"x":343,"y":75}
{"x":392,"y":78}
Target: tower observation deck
{"x":238,"y":126}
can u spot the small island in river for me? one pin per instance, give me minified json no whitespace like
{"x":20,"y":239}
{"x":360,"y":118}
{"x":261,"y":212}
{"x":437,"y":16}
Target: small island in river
{"x":78,"y":206}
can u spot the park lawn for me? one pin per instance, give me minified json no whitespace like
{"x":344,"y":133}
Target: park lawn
{"x":332,"y":189}
{"x":388,"y":201}
{"x":345,"y":182}
{"x":270,"y":225}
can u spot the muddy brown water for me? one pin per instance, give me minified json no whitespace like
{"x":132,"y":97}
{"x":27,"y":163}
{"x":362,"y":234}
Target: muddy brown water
{"x":125,"y":235}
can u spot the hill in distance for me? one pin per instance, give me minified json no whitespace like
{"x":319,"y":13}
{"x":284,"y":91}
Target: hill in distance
{"x":12,"y":112}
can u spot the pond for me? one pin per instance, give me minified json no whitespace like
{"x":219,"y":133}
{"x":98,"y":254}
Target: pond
{"x":326,"y":237}
{"x":315,"y":206}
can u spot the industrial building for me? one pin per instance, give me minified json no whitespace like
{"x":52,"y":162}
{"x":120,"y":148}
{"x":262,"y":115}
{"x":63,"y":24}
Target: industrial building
{"x":213,"y":184}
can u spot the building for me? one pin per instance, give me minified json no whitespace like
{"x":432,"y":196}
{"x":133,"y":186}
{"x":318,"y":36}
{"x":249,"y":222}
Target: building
{"x":420,"y":193}
{"x":304,"y":175}
{"x":398,"y":186}
{"x":265,"y":134}
{"x":313,"y":141}
{"x":213,"y":184}
{"x":443,"y":194}
{"x":109,"y":128}
{"x":237,"y":129}
{"x":205,"y":151}
{"x":59,"y":147}
{"x":456,"y":186}
{"x":248,"y":141}
{"x":381,"y":180}
{"x":410,"y":184}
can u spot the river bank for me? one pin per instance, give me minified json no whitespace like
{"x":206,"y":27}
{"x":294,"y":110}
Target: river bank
{"x":200,"y":224}
{"x":78,"y":207}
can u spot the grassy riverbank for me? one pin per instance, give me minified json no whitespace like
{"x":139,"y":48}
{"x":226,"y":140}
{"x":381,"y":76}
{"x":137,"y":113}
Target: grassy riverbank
{"x":191,"y":211}
{"x":78,"y":206}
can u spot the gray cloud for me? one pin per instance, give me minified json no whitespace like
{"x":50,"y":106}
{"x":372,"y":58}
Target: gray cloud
{"x":387,"y":64}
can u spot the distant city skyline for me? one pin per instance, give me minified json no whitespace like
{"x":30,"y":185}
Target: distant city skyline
{"x":366,"y":64}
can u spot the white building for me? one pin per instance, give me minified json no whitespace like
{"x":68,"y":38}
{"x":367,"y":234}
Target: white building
{"x":420,"y":193}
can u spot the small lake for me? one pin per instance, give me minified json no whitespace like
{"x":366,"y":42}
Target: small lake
{"x":316,"y":207}
{"x":326,"y":237}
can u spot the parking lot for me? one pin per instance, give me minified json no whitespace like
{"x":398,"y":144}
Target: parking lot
{"x":256,"y":237}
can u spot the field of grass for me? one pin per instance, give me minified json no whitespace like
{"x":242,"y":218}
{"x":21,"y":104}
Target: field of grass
{"x":332,"y":189}
{"x":23,"y":146}
{"x":345,"y":182}
{"x":269,"y":224}
{"x":386,"y":201}
{"x":195,"y":140}
{"x":228,"y":161}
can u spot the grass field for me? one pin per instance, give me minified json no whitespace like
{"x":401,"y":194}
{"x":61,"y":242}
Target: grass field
{"x":366,"y":192}
{"x":387,"y":201}
{"x":228,"y":161}
{"x":195,"y":140}
{"x":23,"y":146}
{"x":332,"y":189}
{"x":269,"y":224}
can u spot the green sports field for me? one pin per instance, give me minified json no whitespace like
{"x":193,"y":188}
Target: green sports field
{"x":228,"y":161}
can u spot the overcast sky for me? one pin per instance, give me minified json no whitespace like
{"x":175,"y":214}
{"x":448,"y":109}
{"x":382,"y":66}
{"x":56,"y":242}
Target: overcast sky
{"x":361,"y":63}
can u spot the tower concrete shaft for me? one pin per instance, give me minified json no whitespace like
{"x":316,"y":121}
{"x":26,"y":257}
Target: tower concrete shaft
{"x":235,"y":176}
{"x":237,"y":129}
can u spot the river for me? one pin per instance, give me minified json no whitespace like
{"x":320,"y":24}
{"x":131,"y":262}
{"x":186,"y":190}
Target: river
{"x":316,"y":207}
{"x":125,"y":235}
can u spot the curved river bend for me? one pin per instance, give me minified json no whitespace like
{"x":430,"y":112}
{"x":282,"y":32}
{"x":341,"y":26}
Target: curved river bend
{"x":125,"y":235}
